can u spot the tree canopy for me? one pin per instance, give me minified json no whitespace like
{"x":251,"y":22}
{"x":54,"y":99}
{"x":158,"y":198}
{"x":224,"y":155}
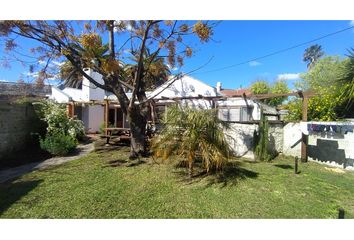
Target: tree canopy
{"x":312,"y":54}
{"x":263,"y":87}
{"x":322,"y":79}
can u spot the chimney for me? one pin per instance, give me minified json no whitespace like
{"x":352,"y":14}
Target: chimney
{"x":218,"y":87}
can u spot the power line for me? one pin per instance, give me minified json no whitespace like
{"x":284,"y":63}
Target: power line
{"x":276,"y":52}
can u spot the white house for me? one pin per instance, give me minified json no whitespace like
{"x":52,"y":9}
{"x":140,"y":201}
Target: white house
{"x":230,"y":109}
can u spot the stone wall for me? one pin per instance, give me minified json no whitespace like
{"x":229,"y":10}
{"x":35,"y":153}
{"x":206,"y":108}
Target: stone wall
{"x":17,"y":122}
{"x":333,"y":149}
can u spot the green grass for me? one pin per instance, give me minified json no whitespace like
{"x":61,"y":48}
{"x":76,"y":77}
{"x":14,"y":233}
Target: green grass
{"x":104,"y":185}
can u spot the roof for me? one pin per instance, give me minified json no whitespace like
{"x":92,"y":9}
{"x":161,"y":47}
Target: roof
{"x":185,"y":86}
{"x":232,"y":92}
{"x":13,"y":89}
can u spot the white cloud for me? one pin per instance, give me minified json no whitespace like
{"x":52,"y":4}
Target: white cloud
{"x":351,"y":23}
{"x":288,"y":76}
{"x":254,"y":63}
{"x":2,"y":80}
{"x":171,"y":68}
{"x":128,"y":27}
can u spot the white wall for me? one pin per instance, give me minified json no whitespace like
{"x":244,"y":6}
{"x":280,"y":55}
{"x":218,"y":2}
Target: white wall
{"x":59,"y":96}
{"x":333,"y":149}
{"x":240,"y":136}
{"x":89,"y":90}
{"x":96,"y":117}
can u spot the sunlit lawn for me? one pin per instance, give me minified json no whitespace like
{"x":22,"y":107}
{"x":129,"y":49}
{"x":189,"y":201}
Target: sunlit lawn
{"x":104,"y":185}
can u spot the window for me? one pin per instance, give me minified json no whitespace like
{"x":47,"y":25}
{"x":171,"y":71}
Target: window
{"x":234,"y":114}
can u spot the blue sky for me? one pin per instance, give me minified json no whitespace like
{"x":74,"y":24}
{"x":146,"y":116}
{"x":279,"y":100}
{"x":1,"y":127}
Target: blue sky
{"x":238,"y":41}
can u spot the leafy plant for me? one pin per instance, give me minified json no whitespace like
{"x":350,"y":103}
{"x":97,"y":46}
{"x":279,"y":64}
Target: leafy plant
{"x":194,"y":134}
{"x":321,"y":79}
{"x":261,"y":140}
{"x":58,"y":144}
{"x":263,"y":87}
{"x":62,"y":131}
{"x":55,"y":116}
{"x":101,"y":128}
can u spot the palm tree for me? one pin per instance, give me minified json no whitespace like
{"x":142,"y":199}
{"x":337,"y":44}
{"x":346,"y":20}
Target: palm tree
{"x":346,"y":78}
{"x":312,"y":54}
{"x":156,"y":73}
{"x":194,"y":134}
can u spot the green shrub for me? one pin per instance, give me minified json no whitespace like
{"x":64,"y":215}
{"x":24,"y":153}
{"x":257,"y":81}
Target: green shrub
{"x":55,"y":116}
{"x":110,"y":125}
{"x":58,"y":144}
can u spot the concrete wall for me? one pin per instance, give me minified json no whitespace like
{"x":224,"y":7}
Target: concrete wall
{"x":334,"y":149}
{"x":17,"y":121}
{"x":241,"y":138}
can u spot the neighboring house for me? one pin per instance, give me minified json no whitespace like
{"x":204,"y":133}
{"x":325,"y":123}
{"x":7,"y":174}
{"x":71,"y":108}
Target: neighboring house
{"x":14,"y":90}
{"x":231,"y":109}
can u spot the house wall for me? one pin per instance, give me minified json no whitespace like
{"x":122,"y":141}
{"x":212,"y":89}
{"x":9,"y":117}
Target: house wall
{"x":89,"y":90}
{"x":17,"y":122}
{"x":59,"y":96}
{"x":333,"y":149}
{"x":95,"y":118}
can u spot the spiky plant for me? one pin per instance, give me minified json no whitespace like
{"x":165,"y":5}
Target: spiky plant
{"x":193,"y":134}
{"x":262,"y":152}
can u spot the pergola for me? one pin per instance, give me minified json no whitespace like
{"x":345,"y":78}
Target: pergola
{"x":162,"y":101}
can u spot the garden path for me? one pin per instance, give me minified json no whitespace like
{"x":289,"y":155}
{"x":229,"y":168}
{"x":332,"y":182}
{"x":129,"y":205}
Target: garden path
{"x":8,"y":174}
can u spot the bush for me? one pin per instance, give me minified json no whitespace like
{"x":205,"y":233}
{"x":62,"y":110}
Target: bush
{"x":58,"y":144}
{"x":55,"y":116}
{"x":193,"y":134}
{"x":62,"y":131}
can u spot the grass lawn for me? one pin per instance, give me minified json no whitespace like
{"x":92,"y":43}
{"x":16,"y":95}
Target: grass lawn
{"x":104,"y":185}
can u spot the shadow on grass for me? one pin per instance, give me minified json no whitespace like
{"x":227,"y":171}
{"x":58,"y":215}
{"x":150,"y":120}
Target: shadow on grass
{"x":10,"y":193}
{"x":125,"y":163}
{"x":283,"y":166}
{"x":231,"y":174}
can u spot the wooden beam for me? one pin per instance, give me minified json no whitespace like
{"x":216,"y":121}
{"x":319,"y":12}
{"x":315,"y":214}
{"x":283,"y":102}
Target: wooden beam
{"x":106,"y":112}
{"x":304,"y":138}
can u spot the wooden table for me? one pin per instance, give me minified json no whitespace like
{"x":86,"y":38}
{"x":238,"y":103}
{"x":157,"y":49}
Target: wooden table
{"x":121,"y":133}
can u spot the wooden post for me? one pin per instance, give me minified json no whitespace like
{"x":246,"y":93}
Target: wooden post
{"x":304,"y":138}
{"x":70,"y":109}
{"x":340,"y":213}
{"x":106,"y":112}
{"x":296,"y":165}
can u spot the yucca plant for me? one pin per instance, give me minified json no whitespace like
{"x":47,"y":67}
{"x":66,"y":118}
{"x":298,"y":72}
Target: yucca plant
{"x":193,"y":134}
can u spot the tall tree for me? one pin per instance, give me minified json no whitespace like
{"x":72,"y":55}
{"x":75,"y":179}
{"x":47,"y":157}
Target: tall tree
{"x":82,"y":45}
{"x":322,"y":80}
{"x":312,"y":54}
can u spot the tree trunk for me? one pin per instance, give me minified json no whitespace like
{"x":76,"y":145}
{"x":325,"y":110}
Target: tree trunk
{"x":137,"y":123}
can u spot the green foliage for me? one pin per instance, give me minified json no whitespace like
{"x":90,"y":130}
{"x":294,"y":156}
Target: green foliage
{"x":263,"y":87}
{"x":58,"y":144}
{"x":260,"y":87}
{"x":194,"y":134}
{"x":62,"y":131}
{"x":346,"y":77}
{"x":261,"y":140}
{"x":278,"y":87}
{"x":101,"y":128}
{"x":321,"y":79}
{"x":58,"y":122}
